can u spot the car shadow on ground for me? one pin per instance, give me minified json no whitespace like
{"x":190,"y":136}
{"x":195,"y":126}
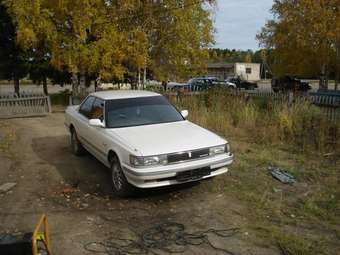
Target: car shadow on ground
{"x":88,"y":174}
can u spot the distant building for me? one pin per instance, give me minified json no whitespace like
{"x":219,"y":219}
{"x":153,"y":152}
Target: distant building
{"x":247,"y":71}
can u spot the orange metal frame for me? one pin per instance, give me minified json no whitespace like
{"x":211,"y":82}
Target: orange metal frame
{"x":37,"y":236}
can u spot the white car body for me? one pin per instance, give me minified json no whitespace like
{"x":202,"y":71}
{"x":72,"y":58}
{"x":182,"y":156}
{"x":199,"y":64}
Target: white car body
{"x":230,"y":84}
{"x":174,"y":138}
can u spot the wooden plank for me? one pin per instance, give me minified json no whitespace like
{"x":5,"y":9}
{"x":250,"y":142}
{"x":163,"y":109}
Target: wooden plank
{"x":20,"y":99}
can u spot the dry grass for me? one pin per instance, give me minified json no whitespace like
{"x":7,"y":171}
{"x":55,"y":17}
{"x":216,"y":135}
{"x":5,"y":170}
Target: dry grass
{"x":265,"y":121}
{"x":7,"y":137}
{"x":302,"y":218}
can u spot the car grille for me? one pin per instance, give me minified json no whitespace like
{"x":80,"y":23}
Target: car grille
{"x":189,"y":175}
{"x":187,"y":155}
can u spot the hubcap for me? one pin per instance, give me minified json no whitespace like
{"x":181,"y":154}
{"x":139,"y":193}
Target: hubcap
{"x":117,"y":177}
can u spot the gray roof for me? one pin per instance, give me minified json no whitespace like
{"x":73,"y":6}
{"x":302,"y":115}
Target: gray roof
{"x":118,"y":94}
{"x":221,"y":65}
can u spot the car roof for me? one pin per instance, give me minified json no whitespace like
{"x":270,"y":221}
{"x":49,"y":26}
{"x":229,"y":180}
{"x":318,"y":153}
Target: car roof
{"x":119,"y":94}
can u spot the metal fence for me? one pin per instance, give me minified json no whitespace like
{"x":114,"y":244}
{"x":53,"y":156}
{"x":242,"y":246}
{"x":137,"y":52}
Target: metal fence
{"x":329,"y":103}
{"x":325,"y":99}
{"x":28,"y":104}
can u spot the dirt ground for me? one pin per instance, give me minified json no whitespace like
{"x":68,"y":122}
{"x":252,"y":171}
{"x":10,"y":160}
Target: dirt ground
{"x":75,"y":193}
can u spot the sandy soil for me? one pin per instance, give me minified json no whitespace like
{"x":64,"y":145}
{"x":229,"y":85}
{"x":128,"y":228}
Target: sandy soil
{"x":75,"y":193}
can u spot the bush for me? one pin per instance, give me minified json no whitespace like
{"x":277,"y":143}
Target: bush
{"x":61,"y":98}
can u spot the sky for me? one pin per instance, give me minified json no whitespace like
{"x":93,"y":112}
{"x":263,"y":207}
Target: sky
{"x":238,"y":21}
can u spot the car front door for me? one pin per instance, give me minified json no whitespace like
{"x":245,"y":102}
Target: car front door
{"x":83,"y":119}
{"x":96,"y":135}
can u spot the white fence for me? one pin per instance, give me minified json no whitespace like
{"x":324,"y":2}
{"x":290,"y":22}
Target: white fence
{"x":26,"y":105}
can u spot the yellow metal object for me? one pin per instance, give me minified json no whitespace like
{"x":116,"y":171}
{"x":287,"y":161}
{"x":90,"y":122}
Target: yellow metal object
{"x":41,"y":236}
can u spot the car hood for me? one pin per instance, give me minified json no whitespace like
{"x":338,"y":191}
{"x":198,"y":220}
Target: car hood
{"x":167,"y":137}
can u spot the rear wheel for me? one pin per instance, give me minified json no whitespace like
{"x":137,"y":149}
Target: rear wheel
{"x":121,"y":186}
{"x":76,"y":146}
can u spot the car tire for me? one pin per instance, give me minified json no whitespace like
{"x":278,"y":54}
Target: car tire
{"x":76,"y":146}
{"x":121,"y":186}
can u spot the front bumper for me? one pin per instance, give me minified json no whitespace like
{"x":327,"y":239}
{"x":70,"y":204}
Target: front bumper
{"x":167,"y":175}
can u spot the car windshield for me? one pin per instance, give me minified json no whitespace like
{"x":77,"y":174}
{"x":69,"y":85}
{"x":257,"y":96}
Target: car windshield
{"x":139,"y":111}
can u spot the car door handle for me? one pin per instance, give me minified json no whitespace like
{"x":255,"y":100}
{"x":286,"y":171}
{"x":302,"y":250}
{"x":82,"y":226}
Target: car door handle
{"x":105,"y":144}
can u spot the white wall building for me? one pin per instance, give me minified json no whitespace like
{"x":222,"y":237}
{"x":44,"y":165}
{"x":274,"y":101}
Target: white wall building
{"x":247,"y":71}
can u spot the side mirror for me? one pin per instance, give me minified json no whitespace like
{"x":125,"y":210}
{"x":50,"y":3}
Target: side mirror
{"x":96,"y":123}
{"x":185,"y":113}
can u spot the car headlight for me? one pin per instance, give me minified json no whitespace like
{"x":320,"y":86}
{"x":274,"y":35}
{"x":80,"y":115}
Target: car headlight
{"x":148,"y":161}
{"x":219,"y":149}
{"x":227,"y":148}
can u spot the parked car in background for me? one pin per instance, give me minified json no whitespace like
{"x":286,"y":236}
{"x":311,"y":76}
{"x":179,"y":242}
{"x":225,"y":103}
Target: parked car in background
{"x":105,"y":86}
{"x":289,"y":83}
{"x":176,"y":86}
{"x":220,"y":83}
{"x":207,"y":82}
{"x":241,"y":84}
{"x":144,"y":140}
{"x":199,"y":84}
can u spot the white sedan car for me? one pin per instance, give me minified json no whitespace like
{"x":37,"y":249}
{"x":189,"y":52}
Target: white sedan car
{"x":144,"y":140}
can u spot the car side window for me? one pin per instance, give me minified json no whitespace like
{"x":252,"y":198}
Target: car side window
{"x":97,"y":111}
{"x":86,"y":106}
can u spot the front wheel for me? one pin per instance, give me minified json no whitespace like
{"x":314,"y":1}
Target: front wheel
{"x":121,"y":186}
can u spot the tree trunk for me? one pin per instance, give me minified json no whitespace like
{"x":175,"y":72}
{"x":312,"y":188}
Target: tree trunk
{"x":337,"y":66}
{"x":16,"y":85}
{"x":87,"y":81}
{"x":144,"y":75}
{"x":337,"y":71}
{"x":45,"y":85}
{"x":324,"y":78}
{"x":139,"y":78}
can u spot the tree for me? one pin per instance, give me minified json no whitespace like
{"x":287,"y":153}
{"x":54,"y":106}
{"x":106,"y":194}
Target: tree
{"x":181,"y":38}
{"x":110,"y":38}
{"x":39,"y":67}
{"x":304,"y":38}
{"x":13,"y":64}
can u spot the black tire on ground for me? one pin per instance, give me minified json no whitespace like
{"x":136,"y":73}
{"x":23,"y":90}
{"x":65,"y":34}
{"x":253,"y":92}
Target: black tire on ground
{"x":121,"y":186}
{"x":76,"y":146}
